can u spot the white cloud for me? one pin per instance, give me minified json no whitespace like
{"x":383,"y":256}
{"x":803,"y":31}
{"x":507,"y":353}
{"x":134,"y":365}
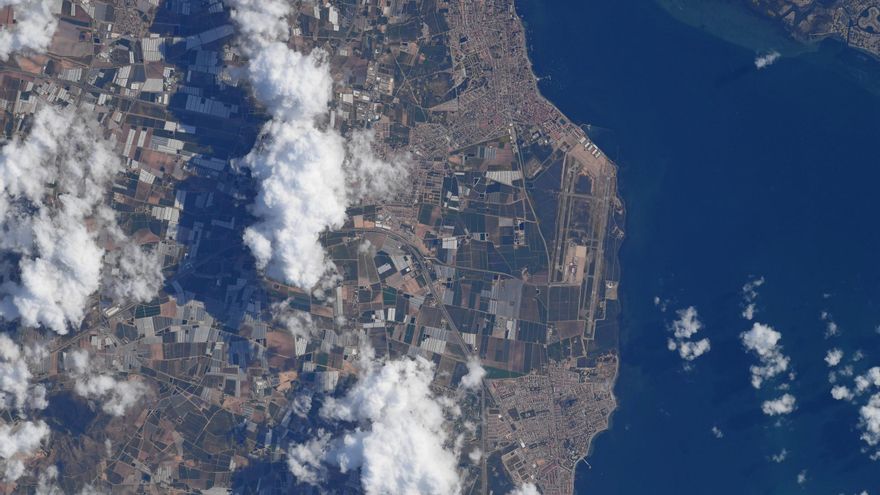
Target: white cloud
{"x":475,"y":455}
{"x":401,"y":442}
{"x":782,"y":405}
{"x":868,"y":379}
{"x":525,"y":489}
{"x":25,"y":437}
{"x":780,"y":456}
{"x":690,"y":350}
{"x":52,"y":183}
{"x":260,"y":22}
{"x":116,"y":396}
{"x":750,"y":295}
{"x":368,"y":176}
{"x":308,"y":174}
{"x":16,"y":391}
{"x":60,"y":274}
{"x":717,"y":433}
{"x":299,"y":323}
{"x":869,"y":412}
{"x":88,"y":489}
{"x":302,"y":193}
{"x":802,"y":477}
{"x":869,"y":415}
{"x":831,"y":328}
{"x":33,"y":28}
{"x":18,"y":442}
{"x":133,"y":274}
{"x":46,"y":482}
{"x":833,"y":357}
{"x":767,"y":59}
{"x":474,"y":378}
{"x":687,"y":324}
{"x":841,"y":392}
{"x":306,"y":460}
{"x":403,"y":449}
{"x":301,"y":405}
{"x":13,"y":470}
{"x":763,"y":340}
{"x":366,"y":247}
{"x":683,"y":329}
{"x":661,"y":303}
{"x":59,"y":259}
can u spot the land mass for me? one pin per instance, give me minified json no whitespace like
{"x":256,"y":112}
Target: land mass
{"x":503,"y":247}
{"x":853,"y":22}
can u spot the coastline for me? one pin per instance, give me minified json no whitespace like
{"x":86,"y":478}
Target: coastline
{"x":718,"y":171}
{"x":743,"y":26}
{"x":736,"y":24}
{"x":611,"y":257}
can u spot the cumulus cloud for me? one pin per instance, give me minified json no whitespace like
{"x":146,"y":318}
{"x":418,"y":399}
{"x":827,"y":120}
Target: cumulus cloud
{"x":308,"y":174}
{"x":368,"y":176}
{"x":691,"y":350}
{"x":52,"y":187}
{"x":687,"y":324}
{"x":750,"y":295}
{"x":833,"y":357}
{"x":660,"y":303}
{"x":47,"y":484}
{"x":474,"y":378}
{"x":132,"y":274}
{"x":868,"y":379}
{"x":116,"y":396}
{"x":525,"y":489}
{"x":767,"y":59}
{"x":869,"y":412}
{"x":683,"y":329}
{"x":843,"y":371}
{"x":400,"y":439}
{"x":302,"y":184}
{"x":780,"y":456}
{"x":831,"y":328}
{"x":260,"y":22}
{"x":869,"y":420}
{"x":306,"y":461}
{"x":18,"y":442}
{"x":781,"y":405}
{"x":841,"y":392}
{"x":33,"y":28}
{"x":763,"y":340}
{"x":298,"y":323}
{"x":717,"y":433}
{"x":59,"y":261}
{"x":301,"y":195}
{"x":16,"y":390}
{"x":301,"y":405}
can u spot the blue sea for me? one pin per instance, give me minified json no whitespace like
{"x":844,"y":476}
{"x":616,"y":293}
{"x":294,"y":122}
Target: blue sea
{"x":728,"y":173}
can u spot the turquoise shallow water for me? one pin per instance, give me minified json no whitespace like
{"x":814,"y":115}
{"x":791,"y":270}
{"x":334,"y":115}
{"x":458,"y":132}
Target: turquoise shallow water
{"x":727,"y":172}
